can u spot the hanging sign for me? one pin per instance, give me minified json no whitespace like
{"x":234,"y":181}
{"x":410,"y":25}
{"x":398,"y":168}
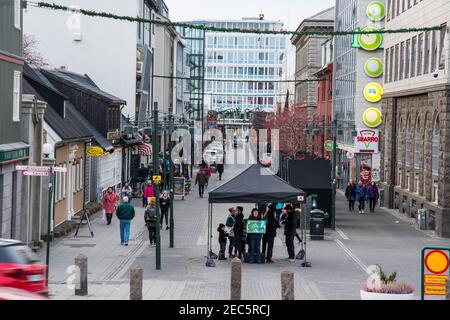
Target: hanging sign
{"x":373,"y":68}
{"x":376,"y":11}
{"x":435,"y":272}
{"x":36,"y":173}
{"x":373,"y":92}
{"x":370,"y":41}
{"x":33,"y":168}
{"x":350,"y":155}
{"x":372,"y":117}
{"x":156,"y":179}
{"x":95,"y":151}
{"x":329,"y":145}
{"x":367,"y":141}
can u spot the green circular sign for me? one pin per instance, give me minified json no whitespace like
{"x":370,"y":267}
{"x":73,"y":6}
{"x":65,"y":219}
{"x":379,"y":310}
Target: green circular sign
{"x":372,"y":41}
{"x":329,"y":145}
{"x":374,"y":67}
{"x":373,"y":92}
{"x":372,"y":118}
{"x":376,"y":11}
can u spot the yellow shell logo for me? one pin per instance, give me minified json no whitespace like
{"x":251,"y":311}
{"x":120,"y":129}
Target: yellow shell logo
{"x":94,"y":151}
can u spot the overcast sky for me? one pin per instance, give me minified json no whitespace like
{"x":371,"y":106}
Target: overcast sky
{"x":291,"y":12}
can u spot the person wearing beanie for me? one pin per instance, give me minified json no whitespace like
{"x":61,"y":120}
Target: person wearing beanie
{"x":222,"y":241}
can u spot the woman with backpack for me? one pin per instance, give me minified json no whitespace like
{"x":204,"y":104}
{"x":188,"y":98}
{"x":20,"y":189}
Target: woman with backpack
{"x":150,"y":221}
{"x":362,"y":196}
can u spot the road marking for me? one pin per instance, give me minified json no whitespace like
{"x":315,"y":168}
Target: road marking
{"x":342,"y":234}
{"x":352,"y":255}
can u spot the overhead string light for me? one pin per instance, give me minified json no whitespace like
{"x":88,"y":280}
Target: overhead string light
{"x":203,"y":27}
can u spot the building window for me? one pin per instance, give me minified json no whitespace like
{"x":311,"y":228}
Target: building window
{"x":402,"y":60}
{"x":16,"y":96}
{"x":417,"y":150}
{"x":413,"y":56}
{"x":387,"y":65}
{"x":17,"y":14}
{"x":435,"y":150}
{"x":399,"y":154}
{"x":420,"y":55}
{"x":391,"y":65}
{"x":442,"y":46}
{"x":426,"y":64}
{"x":407,"y":58}
{"x":396,"y":62}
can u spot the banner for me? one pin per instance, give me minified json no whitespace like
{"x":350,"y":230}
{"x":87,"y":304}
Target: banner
{"x":256,"y":226}
{"x":179,"y":184}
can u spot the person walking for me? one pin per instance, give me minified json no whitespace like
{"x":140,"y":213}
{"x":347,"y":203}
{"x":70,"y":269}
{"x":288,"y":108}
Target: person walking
{"x":200,"y":179}
{"x":374,"y":195}
{"x":230,"y":226}
{"x":164,"y":204}
{"x":126,"y":191}
{"x":149,"y":192}
{"x":350,"y":194}
{"x":109,"y":204}
{"x":150,"y":221}
{"x":222,"y":241}
{"x":271,"y":233}
{"x":125,"y":212}
{"x":220,"y":169}
{"x":290,"y":229}
{"x":239,"y":232}
{"x":361,"y":196}
{"x":254,"y":240}
{"x":207,"y":172}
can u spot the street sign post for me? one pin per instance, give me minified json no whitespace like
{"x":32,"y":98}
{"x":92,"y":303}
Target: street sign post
{"x":435,"y":272}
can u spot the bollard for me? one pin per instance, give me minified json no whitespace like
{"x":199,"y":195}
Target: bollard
{"x":136,"y":275}
{"x":81,"y":289}
{"x":287,"y":285}
{"x":236,"y":278}
{"x":447,"y":288}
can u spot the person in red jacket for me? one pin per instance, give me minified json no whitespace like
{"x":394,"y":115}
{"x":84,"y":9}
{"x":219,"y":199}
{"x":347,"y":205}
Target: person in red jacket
{"x":109,"y":204}
{"x":208,"y":174}
{"x":149,"y":192}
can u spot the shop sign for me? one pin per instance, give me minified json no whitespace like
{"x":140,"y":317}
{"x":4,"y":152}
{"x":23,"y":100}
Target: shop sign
{"x":373,"y":68}
{"x":95,"y":151}
{"x":372,"y":118}
{"x":13,"y":155}
{"x":368,"y":41}
{"x":376,"y":11}
{"x":367,"y":141}
{"x":373,"y":92}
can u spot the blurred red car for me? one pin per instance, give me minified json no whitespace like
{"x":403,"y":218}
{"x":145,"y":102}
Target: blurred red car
{"x":17,"y":294}
{"x":20,"y":268}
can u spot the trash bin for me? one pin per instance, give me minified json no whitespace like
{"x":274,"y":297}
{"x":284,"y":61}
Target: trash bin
{"x":422,"y":219}
{"x":317,"y":225}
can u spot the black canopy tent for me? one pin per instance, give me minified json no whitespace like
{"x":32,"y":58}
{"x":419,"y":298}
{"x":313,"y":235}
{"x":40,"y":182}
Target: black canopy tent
{"x":255,"y":184}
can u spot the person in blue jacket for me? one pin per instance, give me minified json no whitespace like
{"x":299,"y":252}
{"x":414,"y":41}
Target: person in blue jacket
{"x":362,"y":196}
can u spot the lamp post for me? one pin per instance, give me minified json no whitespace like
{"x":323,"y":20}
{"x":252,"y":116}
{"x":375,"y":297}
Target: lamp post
{"x":333,"y":195}
{"x":48,"y":150}
{"x":172,"y":240}
{"x":155,"y":170}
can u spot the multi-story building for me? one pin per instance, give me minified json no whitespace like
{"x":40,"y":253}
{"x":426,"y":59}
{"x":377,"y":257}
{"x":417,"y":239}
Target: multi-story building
{"x":235,"y":59}
{"x":415,"y":157}
{"x":13,"y":149}
{"x":117,"y":54}
{"x":358,"y":70}
{"x":324,"y":99}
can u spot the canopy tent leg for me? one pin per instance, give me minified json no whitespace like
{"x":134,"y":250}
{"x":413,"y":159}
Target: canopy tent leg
{"x":209,"y":254}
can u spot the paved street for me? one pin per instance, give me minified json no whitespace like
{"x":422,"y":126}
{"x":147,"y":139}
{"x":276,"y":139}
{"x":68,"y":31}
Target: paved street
{"x":338,"y":271}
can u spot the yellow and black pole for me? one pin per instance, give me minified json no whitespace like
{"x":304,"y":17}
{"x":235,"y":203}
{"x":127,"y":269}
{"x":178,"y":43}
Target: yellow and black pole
{"x":156,"y":182}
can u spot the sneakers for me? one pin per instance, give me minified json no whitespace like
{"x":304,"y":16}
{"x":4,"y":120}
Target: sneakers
{"x":291,"y":260}
{"x":269,"y":261}
{"x":126,"y":244}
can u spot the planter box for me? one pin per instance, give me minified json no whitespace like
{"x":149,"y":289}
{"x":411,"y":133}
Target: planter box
{"x":385,"y":296}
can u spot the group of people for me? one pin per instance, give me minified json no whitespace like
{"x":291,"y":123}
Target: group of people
{"x":125,"y":210}
{"x":256,"y":247}
{"x":361,"y":193}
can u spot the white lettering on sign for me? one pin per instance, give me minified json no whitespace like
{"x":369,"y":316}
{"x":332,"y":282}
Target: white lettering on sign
{"x":32,"y":168}
{"x":36,"y":173}
{"x":59,"y":169}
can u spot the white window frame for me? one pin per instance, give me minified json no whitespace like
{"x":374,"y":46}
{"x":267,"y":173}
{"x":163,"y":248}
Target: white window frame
{"x":17,"y":14}
{"x":17,"y":87}
{"x":435,"y":192}
{"x":64,"y":178}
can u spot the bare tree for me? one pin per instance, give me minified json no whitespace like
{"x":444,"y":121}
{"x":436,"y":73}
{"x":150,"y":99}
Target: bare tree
{"x":32,"y":56}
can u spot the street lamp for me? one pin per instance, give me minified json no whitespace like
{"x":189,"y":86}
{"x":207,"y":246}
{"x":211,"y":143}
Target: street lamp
{"x":48,"y":151}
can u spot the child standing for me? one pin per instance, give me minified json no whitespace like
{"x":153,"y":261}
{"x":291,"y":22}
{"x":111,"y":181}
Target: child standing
{"x":222,"y":241}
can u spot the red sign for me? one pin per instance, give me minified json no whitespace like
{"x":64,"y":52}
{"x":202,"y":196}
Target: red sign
{"x":367,"y":141}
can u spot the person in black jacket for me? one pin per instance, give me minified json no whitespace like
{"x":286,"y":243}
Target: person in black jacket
{"x":350,"y":194}
{"x":164,"y":204}
{"x":290,"y":229}
{"x":223,"y":235}
{"x":239,"y":232}
{"x":271,"y":233}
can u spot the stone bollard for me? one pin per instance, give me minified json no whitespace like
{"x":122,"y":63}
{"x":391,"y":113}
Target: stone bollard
{"x":287,"y":285}
{"x":447,"y":287}
{"x":136,"y":275}
{"x":236,"y":279}
{"x":81,"y":289}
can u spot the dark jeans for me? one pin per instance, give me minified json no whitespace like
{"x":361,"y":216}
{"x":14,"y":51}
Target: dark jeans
{"x":152,"y":234}
{"x":223,"y":246}
{"x":109,"y":218}
{"x":362,"y":204}
{"x":290,"y":245}
{"x":351,"y":205}
{"x":372,"y":204}
{"x":255,"y":248}
{"x":231,"y":245}
{"x":164,"y":214}
{"x":240,"y":243}
{"x":144,"y":201}
{"x":268,"y":244}
{"x":201,"y":190}
{"x":220,"y":175}
{"x":278,"y":213}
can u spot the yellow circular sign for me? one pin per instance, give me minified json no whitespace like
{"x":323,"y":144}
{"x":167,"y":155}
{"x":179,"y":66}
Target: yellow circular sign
{"x":94,"y":151}
{"x":437,"y":262}
{"x":373,"y":92}
{"x":372,"y":118}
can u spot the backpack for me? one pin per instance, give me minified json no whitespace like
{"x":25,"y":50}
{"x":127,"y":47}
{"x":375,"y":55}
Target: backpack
{"x":151,"y":214}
